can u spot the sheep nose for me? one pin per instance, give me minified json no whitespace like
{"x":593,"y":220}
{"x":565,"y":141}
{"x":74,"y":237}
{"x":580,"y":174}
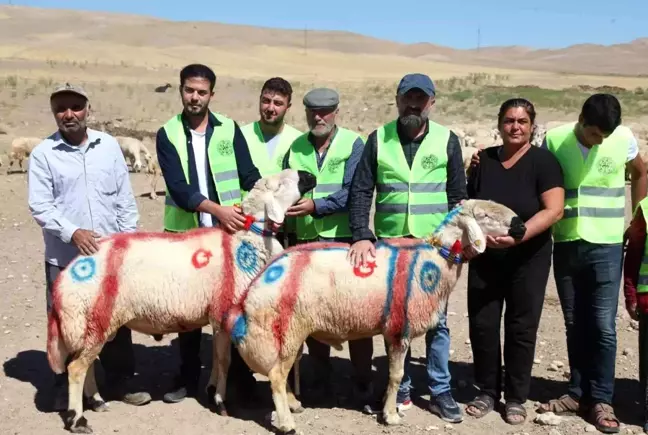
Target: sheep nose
{"x":307,"y":181}
{"x":517,"y":229}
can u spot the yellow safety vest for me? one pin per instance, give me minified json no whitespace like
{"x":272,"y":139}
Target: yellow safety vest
{"x":329,"y":180}
{"x":594,"y":187}
{"x":410,"y":201}
{"x":222,"y":165}
{"x":266,"y":164}
{"x":642,"y":283}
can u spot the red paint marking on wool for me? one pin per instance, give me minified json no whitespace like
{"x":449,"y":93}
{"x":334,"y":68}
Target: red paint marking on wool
{"x":396,"y":321}
{"x":99,"y":318}
{"x":54,"y":327}
{"x":288,"y":296}
{"x":200,"y":258}
{"x":224,"y":290}
{"x":365,"y":270}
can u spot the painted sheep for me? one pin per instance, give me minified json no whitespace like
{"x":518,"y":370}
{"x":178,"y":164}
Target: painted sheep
{"x":161,"y":283}
{"x":312,"y":290}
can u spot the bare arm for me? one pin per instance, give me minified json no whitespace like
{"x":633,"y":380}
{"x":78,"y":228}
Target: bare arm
{"x":553,"y":201}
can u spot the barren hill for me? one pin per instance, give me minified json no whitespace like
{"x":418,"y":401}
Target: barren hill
{"x":34,"y":34}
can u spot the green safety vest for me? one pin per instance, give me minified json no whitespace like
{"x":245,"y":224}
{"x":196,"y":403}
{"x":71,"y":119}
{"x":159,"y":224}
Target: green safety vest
{"x":222,"y":166}
{"x":594,"y":188}
{"x":642,"y":283}
{"x":329,"y":180}
{"x":268,"y":165}
{"x":410,"y":201}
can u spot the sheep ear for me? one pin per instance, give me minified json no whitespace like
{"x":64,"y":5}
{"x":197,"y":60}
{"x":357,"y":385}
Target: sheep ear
{"x":273,"y":209}
{"x":474,"y":233}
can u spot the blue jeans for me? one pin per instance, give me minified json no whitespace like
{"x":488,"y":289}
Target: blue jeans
{"x":437,"y":353}
{"x":588,"y":278}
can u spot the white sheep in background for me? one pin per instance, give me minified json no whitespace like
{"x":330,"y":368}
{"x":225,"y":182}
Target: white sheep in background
{"x":311,"y":290}
{"x":467,"y":154}
{"x":154,"y":172}
{"x":21,"y":148}
{"x":132,"y":149}
{"x":159,"y":283}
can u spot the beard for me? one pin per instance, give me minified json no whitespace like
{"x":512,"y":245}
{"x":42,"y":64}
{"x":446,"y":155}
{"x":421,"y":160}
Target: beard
{"x":412,"y":121}
{"x":274,"y":122}
{"x":321,"y":130}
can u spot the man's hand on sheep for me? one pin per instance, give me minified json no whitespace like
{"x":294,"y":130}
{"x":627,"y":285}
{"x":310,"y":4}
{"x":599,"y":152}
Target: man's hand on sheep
{"x":359,"y":253}
{"x":85,"y":241}
{"x":304,"y":207}
{"x":230,"y":218}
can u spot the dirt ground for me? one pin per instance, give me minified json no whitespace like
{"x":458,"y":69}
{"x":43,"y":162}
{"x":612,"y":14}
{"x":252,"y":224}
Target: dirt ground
{"x":26,"y":377}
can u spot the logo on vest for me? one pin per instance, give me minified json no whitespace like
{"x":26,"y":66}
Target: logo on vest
{"x":334,"y":165}
{"x":606,"y":166}
{"x":429,"y":162}
{"x":224,"y":147}
{"x":280,"y":161}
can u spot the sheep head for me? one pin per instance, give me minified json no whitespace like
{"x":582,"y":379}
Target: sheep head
{"x":473,"y":220}
{"x":271,"y":196}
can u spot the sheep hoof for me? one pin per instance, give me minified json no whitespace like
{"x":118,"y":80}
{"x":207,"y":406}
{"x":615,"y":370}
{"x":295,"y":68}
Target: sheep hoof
{"x":220,"y":409}
{"x":297,"y":409}
{"x":81,"y":426}
{"x":288,"y":432}
{"x":392,"y":419}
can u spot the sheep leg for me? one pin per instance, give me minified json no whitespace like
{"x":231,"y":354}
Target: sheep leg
{"x":91,"y":391}
{"x":396,"y":357}
{"x":217,"y":386}
{"x":75,"y":422}
{"x":278,"y":376}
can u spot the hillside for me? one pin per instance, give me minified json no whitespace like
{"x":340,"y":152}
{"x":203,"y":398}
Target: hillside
{"x":33,"y":34}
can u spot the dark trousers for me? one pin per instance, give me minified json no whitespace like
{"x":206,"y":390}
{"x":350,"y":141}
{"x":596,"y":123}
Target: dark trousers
{"x":117,"y":356}
{"x":588,"y":278}
{"x":495,"y":280}
{"x":643,"y":362}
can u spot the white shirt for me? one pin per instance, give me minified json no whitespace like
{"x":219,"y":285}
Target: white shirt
{"x":200,"y":151}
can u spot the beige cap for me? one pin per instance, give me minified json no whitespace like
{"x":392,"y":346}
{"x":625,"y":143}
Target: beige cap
{"x":69,"y":88}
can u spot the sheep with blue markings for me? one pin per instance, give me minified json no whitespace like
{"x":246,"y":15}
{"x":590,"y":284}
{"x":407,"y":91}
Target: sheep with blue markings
{"x":311,"y":290}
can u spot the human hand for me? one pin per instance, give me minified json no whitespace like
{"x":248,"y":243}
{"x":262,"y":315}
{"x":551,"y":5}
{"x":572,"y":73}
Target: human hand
{"x":474,"y":161}
{"x":631,"y":307}
{"x":500,"y":242}
{"x":85,"y":241}
{"x":274,"y":226}
{"x":303,"y":207}
{"x":230,"y":218}
{"x":359,"y":252}
{"x":469,"y":252}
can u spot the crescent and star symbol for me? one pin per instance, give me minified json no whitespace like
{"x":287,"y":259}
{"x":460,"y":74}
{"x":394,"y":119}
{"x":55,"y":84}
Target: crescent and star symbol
{"x":364,"y":272}
{"x":201,"y":258}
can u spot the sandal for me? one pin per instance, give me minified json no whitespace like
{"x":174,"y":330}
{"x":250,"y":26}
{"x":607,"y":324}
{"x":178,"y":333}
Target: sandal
{"x":564,"y":405}
{"x":513,"y":409}
{"x":483,"y":403}
{"x":602,"y":412}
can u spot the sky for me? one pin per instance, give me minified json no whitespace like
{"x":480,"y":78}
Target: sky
{"x":458,"y":24}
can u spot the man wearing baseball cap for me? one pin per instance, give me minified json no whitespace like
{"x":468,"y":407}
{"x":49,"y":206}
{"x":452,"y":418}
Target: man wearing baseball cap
{"x":411,"y":147}
{"x":79,"y":190}
{"x":331,"y":153}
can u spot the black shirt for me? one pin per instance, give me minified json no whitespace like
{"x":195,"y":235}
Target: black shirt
{"x":519,"y":187}
{"x":364,"y":180}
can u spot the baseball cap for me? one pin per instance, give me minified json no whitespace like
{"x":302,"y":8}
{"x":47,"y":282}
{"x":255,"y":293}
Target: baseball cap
{"x":416,"y":81}
{"x":67,"y":87}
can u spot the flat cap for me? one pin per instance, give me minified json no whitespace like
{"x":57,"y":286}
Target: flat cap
{"x":321,"y":98}
{"x":67,"y":87}
{"x":416,"y":81}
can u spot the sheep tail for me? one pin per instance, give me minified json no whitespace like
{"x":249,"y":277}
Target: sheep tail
{"x":236,"y":325}
{"x":56,"y":351}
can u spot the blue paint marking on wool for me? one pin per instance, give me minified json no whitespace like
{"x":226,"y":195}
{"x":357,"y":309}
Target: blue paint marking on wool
{"x":83,"y":269}
{"x":273,"y":273}
{"x":410,"y":280}
{"x":239,"y":330}
{"x":391,"y":271}
{"x":247,"y":258}
{"x":429,"y":277}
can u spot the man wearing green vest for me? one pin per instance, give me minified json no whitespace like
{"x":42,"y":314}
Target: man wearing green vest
{"x":205,"y":162}
{"x":416,"y":167}
{"x":331,"y":153}
{"x":588,"y":250}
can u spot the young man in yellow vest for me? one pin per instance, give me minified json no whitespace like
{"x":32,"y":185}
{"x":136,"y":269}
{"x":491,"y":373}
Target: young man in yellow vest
{"x":205,"y":161}
{"x":588,"y":250}
{"x":416,"y":167}
{"x":269,"y":138}
{"x":331,"y":153}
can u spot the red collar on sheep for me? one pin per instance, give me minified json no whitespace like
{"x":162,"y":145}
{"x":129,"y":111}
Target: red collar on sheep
{"x":453,"y":254}
{"x":251,"y":226}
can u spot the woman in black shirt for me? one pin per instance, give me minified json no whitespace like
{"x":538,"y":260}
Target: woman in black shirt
{"x":528,"y":180}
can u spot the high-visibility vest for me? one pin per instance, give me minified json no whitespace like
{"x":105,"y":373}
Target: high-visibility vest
{"x":329,"y":180}
{"x":642,"y":283}
{"x":222,"y":167}
{"x":410,"y":201}
{"x":266,"y":164}
{"x":594,"y":188}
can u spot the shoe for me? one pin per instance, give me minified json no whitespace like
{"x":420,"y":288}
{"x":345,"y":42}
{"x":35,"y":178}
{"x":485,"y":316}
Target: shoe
{"x":446,"y":408}
{"x":180,"y":391}
{"x":136,"y":399}
{"x":403,"y":402}
{"x":118,"y":387}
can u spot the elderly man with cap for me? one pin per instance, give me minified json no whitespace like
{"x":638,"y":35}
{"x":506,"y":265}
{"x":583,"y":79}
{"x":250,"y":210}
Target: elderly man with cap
{"x":416,"y":167}
{"x":79,"y":190}
{"x":331,"y":153}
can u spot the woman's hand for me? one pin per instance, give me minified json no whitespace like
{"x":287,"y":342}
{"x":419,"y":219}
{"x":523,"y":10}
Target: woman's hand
{"x":500,"y":242}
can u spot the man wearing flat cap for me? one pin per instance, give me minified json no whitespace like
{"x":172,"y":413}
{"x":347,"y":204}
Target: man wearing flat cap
{"x":416,"y":167}
{"x":79,"y":190}
{"x":331,"y":153}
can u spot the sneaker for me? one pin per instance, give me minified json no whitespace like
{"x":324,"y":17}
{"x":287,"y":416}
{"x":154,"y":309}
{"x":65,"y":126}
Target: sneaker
{"x":119,"y":389}
{"x":403,"y":402}
{"x":180,"y":391}
{"x":446,"y":408}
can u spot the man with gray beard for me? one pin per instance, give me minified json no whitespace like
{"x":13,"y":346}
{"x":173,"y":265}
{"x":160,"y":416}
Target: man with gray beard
{"x":416,"y":167}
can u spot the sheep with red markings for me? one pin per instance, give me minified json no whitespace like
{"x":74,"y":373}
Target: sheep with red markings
{"x":311,"y":290}
{"x":159,"y":283}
